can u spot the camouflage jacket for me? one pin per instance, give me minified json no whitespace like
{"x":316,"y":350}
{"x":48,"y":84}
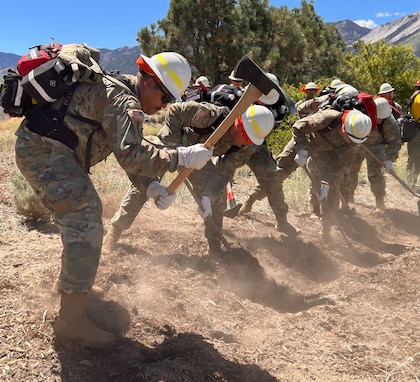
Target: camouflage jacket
{"x":192,"y":122}
{"x":118,"y":128}
{"x":387,"y":133}
{"x":319,"y":132}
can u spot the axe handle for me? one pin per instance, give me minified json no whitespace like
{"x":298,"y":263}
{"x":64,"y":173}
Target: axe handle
{"x":250,"y":95}
{"x":393,"y":173}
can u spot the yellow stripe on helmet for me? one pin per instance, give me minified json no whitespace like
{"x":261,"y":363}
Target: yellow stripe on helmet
{"x":253,"y":121}
{"x":171,"y":73}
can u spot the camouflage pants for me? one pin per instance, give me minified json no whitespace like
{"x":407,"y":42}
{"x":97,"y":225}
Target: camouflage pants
{"x":374,"y":171}
{"x":67,"y":192}
{"x":213,"y":225}
{"x":286,"y":165}
{"x":330,"y":166}
{"x":263,"y":165}
{"x":133,"y":201}
{"x":135,"y":198}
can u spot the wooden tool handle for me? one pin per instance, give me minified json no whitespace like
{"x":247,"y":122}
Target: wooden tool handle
{"x":248,"y":98}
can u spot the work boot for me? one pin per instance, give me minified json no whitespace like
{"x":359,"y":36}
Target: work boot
{"x":73,"y":325}
{"x":247,"y":206}
{"x":284,"y":226}
{"x":111,"y":240}
{"x":380,"y":204}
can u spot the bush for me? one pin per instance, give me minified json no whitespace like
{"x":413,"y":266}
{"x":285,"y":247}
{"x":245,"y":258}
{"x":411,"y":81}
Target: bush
{"x":26,"y":202}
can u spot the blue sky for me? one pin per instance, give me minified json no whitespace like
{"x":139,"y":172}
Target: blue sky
{"x":111,"y":25}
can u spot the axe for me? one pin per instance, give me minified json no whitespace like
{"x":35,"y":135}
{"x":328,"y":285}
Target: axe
{"x":259,"y":84}
{"x":233,"y":206}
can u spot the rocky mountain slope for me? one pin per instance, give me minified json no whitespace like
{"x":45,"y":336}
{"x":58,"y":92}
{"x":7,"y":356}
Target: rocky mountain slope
{"x":405,"y":30}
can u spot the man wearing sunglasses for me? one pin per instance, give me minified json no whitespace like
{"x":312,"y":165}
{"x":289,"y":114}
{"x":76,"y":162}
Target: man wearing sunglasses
{"x":101,"y":118}
{"x":189,"y":123}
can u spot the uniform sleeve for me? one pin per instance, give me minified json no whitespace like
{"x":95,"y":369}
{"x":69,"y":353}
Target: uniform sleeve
{"x":184,"y":120}
{"x":392,"y":137}
{"x":123,"y":125}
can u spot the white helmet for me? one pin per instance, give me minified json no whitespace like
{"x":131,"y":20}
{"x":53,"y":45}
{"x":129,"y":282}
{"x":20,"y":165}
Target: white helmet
{"x":383,"y":110}
{"x":273,"y":96}
{"x":385,"y":88}
{"x":171,"y":68}
{"x":234,"y":78}
{"x":258,"y":122}
{"x":336,"y":82}
{"x":346,"y":89}
{"x":311,"y":86}
{"x":357,"y":125}
{"x":204,"y":80}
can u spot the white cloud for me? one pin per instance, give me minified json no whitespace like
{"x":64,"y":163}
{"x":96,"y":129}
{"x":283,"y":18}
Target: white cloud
{"x":366,"y":23}
{"x":383,"y":14}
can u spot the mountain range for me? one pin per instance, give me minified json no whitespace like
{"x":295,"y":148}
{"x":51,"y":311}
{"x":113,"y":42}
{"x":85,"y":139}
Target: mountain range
{"x":405,"y":30}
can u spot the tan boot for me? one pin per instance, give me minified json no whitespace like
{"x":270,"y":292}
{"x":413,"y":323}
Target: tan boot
{"x":73,"y":325}
{"x":247,"y":206}
{"x":111,"y":240}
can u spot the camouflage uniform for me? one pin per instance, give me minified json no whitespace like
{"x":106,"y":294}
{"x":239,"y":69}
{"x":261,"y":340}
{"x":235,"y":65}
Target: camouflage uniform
{"x":57,"y":173}
{"x":192,"y":122}
{"x":330,"y":155}
{"x":285,"y":161}
{"x":385,"y":143}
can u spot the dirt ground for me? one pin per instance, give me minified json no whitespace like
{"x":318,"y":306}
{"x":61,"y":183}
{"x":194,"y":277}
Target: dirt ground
{"x":274,"y":309}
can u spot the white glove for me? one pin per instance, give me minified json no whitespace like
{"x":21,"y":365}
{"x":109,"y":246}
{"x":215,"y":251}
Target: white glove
{"x":389,"y":166}
{"x":195,"y":156}
{"x":205,"y":211}
{"x":160,"y":195}
{"x":301,"y":157}
{"x":323,"y":192}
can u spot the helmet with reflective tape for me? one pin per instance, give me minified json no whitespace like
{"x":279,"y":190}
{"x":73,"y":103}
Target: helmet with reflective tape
{"x":417,"y":84}
{"x":171,"y":68}
{"x":204,"y":80}
{"x":273,"y":96}
{"x":385,"y":88}
{"x":357,"y":125}
{"x":258,"y":121}
{"x":383,"y":109}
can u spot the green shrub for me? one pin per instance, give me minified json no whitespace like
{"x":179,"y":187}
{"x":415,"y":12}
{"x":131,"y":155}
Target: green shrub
{"x":26,"y":202}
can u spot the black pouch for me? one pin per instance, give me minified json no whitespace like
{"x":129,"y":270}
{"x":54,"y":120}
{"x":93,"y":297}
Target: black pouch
{"x":46,"y":123}
{"x":13,"y":99}
{"x":48,"y":82}
{"x":409,"y":129}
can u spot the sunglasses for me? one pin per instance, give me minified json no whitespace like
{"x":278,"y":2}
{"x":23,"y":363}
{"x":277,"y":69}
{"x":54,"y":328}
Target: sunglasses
{"x":167,"y":97}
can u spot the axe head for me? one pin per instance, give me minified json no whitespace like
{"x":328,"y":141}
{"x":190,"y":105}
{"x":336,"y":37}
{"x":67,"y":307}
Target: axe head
{"x":247,"y":69}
